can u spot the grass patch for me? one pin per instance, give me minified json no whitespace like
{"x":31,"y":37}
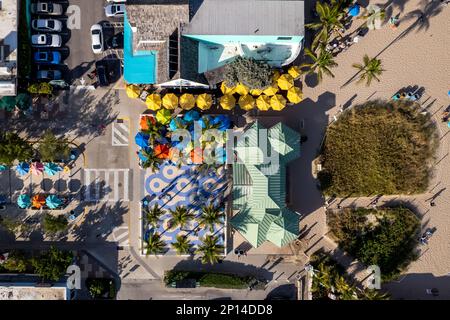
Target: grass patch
{"x":385,"y":237}
{"x":378,"y":148}
{"x":208,"y":279}
{"x":24,"y":48}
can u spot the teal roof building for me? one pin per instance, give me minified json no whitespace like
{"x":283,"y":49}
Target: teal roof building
{"x":259,"y":185}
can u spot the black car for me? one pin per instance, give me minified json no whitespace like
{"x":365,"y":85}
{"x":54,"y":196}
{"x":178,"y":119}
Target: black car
{"x":116,"y":41}
{"x":102,"y":74}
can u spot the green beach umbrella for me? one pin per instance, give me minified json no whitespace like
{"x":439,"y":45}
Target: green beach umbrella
{"x":163,"y":116}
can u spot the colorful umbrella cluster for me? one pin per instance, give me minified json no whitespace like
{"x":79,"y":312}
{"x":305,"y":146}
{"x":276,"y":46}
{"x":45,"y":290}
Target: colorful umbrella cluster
{"x":39,"y":201}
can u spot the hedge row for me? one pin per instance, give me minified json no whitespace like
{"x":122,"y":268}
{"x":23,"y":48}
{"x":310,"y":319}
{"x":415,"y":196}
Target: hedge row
{"x":206,"y":279}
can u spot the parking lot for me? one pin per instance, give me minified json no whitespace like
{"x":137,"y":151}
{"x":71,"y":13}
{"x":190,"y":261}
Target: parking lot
{"x":77,"y":57}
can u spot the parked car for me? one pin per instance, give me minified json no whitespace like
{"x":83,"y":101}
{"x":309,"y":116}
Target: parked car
{"x":117,"y":1}
{"x":46,"y":40}
{"x":102,"y":74}
{"x":50,"y":57}
{"x":116,"y":41}
{"x":115,"y":10}
{"x":97,"y":38}
{"x":54,"y":9}
{"x":48,"y":75}
{"x":51,"y":25}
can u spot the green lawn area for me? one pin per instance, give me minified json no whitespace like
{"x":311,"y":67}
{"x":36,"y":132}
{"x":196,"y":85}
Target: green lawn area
{"x":385,"y":237}
{"x":378,"y":148}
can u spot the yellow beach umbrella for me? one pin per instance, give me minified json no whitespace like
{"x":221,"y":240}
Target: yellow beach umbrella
{"x":295,"y":95}
{"x":246,"y":102}
{"x":285,"y":81}
{"x":226,"y":89}
{"x":187,"y":101}
{"x":204,"y":101}
{"x":153,"y":101}
{"x":256,"y":92}
{"x":295,"y":72}
{"x":278,"y":102}
{"x":241,"y":89}
{"x":263,"y":103}
{"x":170,"y":101}
{"x":227,"y":102}
{"x":133,"y":91}
{"x":272,"y":90}
{"x":276,"y":75}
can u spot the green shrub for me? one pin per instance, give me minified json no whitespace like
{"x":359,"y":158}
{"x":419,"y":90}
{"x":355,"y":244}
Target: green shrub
{"x":53,"y":224}
{"x":13,"y":147}
{"x":209,"y":279}
{"x":16,"y":262}
{"x":52,"y":264}
{"x":52,"y":148}
{"x":101,"y":288}
{"x":379,"y":148}
{"x":254,"y":74}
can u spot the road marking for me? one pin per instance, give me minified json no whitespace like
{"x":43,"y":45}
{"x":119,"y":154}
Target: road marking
{"x":103,"y":187}
{"x":121,"y":235}
{"x":120,"y":133}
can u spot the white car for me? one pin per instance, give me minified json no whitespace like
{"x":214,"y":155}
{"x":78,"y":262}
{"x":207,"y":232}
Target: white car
{"x":50,"y":25}
{"x":117,"y":1}
{"x":115,"y":10}
{"x":48,"y":75}
{"x":97,"y":38}
{"x":46,"y":40}
{"x":54,"y":9}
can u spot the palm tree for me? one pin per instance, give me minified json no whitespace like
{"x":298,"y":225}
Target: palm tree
{"x":330,"y":17}
{"x":374,"y":16}
{"x":210,"y":249}
{"x":322,"y":62}
{"x":324,"y":276}
{"x":210,"y":217}
{"x":182,"y":245}
{"x":154,"y":244}
{"x":345,"y":290}
{"x":180,"y":217}
{"x":152,"y":215}
{"x":152,"y":162}
{"x":372,"y":294}
{"x":371,"y":69}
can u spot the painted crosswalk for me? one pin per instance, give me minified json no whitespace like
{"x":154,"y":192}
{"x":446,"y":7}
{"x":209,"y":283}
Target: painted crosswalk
{"x":120,"y":133}
{"x":106,"y":185}
{"x":121,"y":236}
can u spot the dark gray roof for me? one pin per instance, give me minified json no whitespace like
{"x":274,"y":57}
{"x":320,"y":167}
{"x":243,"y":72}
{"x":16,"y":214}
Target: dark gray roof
{"x":248,"y":17}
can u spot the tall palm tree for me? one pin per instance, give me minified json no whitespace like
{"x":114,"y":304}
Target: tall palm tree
{"x":152,"y":162}
{"x":322,"y":62}
{"x":210,"y":249}
{"x":210,"y":217}
{"x":180,"y":217}
{"x":374,"y":16}
{"x":330,"y":17}
{"x":371,"y":69}
{"x":155,"y":245}
{"x":345,"y":290}
{"x":372,"y":294}
{"x":182,"y":245}
{"x":152,"y":215}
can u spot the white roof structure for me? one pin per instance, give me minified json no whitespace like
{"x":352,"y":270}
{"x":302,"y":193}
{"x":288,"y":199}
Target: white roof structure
{"x":8,"y":47}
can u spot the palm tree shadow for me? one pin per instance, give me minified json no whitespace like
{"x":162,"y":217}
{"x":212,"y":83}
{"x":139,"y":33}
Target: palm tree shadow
{"x":311,"y":80}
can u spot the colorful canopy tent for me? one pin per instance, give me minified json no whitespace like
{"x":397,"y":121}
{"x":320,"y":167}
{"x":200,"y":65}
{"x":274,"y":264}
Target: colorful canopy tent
{"x":133,"y":91}
{"x":23,"y":101}
{"x":8,"y":103}
{"x":38,"y":201}
{"x":51,"y":168}
{"x":187,"y":101}
{"x":191,"y":115}
{"x":163,"y":116}
{"x":3,"y":167}
{"x":153,"y":102}
{"x":53,"y":202}
{"x":246,"y":102}
{"x":204,"y":101}
{"x":24,"y":201}
{"x":271,"y":90}
{"x":170,"y":101}
{"x":295,"y":95}
{"x":295,"y":72}
{"x":226,"y":89}
{"x":285,"y":81}
{"x":23,"y":168}
{"x":354,"y":10}
{"x":146,"y":122}
{"x":263,"y":103}
{"x":161,"y":151}
{"x":37,"y":168}
{"x":259,"y":190}
{"x":278,"y":102}
{"x":242,"y":89}
{"x":197,"y":155}
{"x":142,"y":156}
{"x":176,"y":123}
{"x":227,"y":102}
{"x":141,"y":139}
{"x":222,"y":122}
{"x":256,"y":92}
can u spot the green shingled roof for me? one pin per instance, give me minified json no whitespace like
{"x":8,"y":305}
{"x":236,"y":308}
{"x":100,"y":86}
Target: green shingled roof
{"x":259,"y":188}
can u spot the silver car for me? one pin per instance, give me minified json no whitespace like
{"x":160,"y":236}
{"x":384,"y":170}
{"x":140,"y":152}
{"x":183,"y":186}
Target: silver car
{"x":54,"y":9}
{"x":46,"y":40}
{"x":51,"y":25}
{"x":49,"y":75}
{"x":115,"y":10}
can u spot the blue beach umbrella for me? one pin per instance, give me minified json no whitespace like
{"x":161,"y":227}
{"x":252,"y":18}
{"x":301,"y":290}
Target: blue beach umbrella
{"x":141,"y":139}
{"x":176,"y":123}
{"x":223,"y":121}
{"x":53,"y":202}
{"x":142,"y":156}
{"x":51,"y":168}
{"x":354,"y":10}
{"x":191,"y":115}
{"x":23,"y":168}
{"x":24,"y":201}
